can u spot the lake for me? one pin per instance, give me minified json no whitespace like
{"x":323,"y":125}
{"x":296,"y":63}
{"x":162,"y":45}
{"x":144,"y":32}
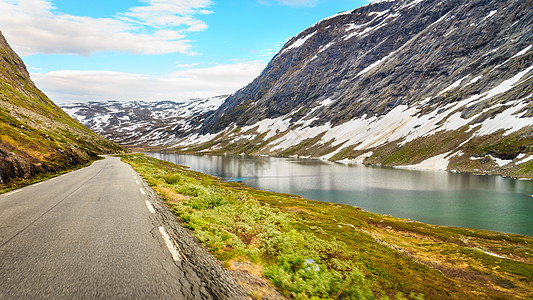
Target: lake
{"x":441,"y":198}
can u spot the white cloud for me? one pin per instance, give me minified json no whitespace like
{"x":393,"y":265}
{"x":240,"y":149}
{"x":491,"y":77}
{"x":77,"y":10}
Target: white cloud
{"x":168,"y":13}
{"x":75,"y":86}
{"x":34,"y":26}
{"x":206,"y":12}
{"x":179,"y":65}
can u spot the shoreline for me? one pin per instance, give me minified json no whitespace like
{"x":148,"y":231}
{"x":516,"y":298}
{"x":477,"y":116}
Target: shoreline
{"x":406,"y":187}
{"x":346,"y":161}
{"x":418,"y":258}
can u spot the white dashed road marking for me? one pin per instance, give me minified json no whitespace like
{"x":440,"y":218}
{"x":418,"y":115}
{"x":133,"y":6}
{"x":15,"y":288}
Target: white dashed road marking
{"x":150,"y":207}
{"x":137,"y":181}
{"x":142,"y":191}
{"x":173,"y":251}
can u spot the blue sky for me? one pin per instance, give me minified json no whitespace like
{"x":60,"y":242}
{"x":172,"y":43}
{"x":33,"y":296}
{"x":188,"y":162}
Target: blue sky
{"x":153,"y":49}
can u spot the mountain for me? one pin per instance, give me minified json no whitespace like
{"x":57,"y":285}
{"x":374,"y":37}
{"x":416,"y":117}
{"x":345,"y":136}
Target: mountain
{"x":36,"y":136}
{"x":144,"y":124}
{"x":425,"y":84}
{"x":436,"y":84}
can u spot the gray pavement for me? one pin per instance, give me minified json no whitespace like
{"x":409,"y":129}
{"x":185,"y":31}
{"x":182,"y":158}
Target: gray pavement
{"x":90,"y":234}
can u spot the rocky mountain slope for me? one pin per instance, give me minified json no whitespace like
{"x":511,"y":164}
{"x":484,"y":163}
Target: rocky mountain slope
{"x":144,"y":124}
{"x":36,"y":136}
{"x":426,"y":84}
{"x":415,"y":83}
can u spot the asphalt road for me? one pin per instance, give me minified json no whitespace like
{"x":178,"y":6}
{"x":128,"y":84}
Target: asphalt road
{"x":90,"y":234}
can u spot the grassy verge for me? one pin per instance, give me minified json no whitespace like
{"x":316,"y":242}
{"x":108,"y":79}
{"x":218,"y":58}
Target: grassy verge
{"x":318,"y":250}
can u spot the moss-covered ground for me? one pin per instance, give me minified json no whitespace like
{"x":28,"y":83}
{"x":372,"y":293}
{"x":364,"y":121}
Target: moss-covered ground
{"x":319,"y":250}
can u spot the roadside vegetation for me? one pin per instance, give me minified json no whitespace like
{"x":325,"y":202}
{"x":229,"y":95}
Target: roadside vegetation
{"x":318,"y":250}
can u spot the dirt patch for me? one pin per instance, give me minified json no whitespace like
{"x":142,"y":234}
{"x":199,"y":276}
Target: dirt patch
{"x":250,"y":277}
{"x":170,"y":195}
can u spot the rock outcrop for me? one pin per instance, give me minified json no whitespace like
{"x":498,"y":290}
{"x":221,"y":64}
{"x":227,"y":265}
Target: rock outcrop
{"x":415,"y":83}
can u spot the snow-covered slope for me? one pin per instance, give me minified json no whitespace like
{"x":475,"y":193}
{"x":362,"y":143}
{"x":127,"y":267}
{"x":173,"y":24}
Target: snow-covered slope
{"x":427,"y":84}
{"x":414,"y":83}
{"x":141,"y":123}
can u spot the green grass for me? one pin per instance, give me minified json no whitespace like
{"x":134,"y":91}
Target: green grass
{"x":232,"y":223}
{"x":318,"y":250}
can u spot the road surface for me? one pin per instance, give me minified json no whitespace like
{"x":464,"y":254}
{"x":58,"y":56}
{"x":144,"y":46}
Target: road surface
{"x":95,"y":234}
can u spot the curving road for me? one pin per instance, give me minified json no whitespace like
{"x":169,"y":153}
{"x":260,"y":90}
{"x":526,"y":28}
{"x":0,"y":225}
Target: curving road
{"x":95,"y":234}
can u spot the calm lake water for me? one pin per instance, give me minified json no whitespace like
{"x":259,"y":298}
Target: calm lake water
{"x":441,"y":198}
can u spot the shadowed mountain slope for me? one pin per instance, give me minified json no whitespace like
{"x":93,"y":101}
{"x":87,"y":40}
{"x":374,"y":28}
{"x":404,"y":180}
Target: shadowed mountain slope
{"x":415,"y":83}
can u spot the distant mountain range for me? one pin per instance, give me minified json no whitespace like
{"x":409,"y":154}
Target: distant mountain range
{"x":427,"y":84}
{"x":144,"y":124}
{"x":36,"y":136}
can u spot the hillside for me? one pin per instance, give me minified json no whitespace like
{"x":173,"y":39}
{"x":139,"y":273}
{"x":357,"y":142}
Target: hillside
{"x":425,"y":84}
{"x":36,"y":136}
{"x":144,"y":124}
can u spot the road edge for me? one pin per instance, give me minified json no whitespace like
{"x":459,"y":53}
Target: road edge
{"x":218,"y":282}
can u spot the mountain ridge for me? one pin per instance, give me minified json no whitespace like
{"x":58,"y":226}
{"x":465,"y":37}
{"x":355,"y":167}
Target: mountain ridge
{"x":424,"y":84}
{"x":144,"y":124}
{"x":36,"y":136}
{"x":391,"y":67}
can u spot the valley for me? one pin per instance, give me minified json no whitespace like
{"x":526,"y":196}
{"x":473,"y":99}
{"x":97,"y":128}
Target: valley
{"x":384,"y":152}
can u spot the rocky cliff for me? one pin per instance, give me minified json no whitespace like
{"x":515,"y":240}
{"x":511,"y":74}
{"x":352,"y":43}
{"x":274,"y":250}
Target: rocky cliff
{"x":415,"y":83}
{"x":36,"y":136}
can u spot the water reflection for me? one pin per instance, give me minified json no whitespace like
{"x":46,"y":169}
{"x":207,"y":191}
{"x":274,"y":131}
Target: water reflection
{"x":484,"y":202}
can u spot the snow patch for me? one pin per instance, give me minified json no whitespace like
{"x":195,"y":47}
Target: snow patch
{"x":440,"y":19}
{"x":323,"y":48}
{"x":413,"y":3}
{"x":381,"y":1}
{"x":452,"y":86}
{"x":491,"y":13}
{"x":334,"y":16}
{"x":379,"y":13}
{"x":474,"y":80}
{"x":507,"y":120}
{"x":524,"y":51}
{"x":299,"y":42}
{"x":367,"y":29}
{"x":507,"y":84}
{"x":525,"y":160}
{"x":491,"y":254}
{"x":500,"y":162}
{"x":272,"y":126}
{"x":326,"y":102}
{"x":436,"y":163}
{"x":520,"y":156}
{"x":374,"y":64}
{"x":450,"y":32}
{"x":358,"y":160}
